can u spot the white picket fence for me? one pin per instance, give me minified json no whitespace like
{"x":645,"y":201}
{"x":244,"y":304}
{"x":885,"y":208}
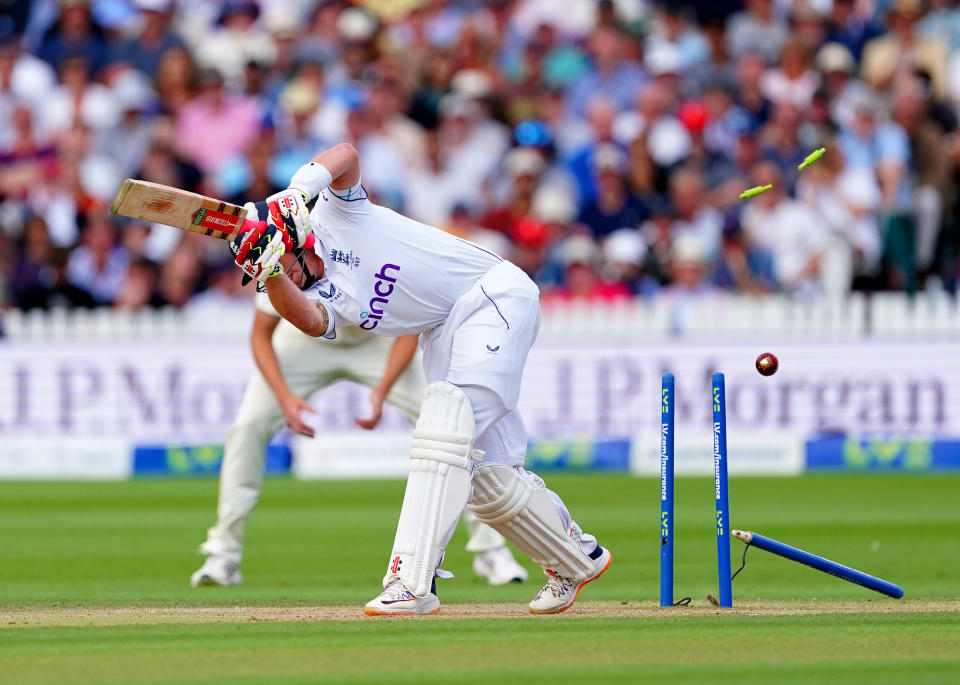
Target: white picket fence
{"x":885,"y":315}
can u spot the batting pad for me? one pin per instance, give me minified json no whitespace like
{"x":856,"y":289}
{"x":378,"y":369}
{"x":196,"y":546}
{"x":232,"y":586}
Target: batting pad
{"x":526,"y":516}
{"x":437,"y":487}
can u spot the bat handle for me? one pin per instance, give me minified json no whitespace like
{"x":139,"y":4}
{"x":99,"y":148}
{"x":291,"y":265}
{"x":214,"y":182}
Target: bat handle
{"x":244,"y":229}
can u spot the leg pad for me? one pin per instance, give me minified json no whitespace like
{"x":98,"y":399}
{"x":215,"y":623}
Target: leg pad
{"x":524,"y":514}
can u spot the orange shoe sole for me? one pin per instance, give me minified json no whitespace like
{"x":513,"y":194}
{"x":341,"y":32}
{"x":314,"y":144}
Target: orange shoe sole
{"x":579,"y":587}
{"x":374,"y":612}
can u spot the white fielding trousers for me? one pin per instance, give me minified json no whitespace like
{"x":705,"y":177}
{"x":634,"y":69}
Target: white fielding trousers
{"x":308,"y":364}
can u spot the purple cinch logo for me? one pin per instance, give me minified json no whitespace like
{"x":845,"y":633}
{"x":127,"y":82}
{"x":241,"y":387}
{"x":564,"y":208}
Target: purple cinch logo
{"x":382,"y":289}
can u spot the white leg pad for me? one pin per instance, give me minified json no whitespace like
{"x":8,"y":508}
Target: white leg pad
{"x":526,"y":516}
{"x":437,"y":487}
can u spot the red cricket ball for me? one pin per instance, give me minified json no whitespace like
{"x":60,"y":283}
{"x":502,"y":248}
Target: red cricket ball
{"x":767,"y":364}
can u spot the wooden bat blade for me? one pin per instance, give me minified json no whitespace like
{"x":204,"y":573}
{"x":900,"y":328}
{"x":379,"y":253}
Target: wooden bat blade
{"x":179,"y":208}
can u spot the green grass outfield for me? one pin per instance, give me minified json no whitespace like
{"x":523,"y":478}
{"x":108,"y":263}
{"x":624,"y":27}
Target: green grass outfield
{"x":94,"y":588}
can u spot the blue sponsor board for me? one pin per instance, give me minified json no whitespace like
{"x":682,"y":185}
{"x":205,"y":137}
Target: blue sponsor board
{"x":887,"y":453}
{"x":578,"y":455}
{"x":198,"y":460}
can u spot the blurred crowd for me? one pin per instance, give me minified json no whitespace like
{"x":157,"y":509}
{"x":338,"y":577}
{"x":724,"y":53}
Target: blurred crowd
{"x":599,"y":145}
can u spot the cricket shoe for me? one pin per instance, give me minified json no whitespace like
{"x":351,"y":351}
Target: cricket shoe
{"x":559,"y":593}
{"x":499,"y":567}
{"x":396,"y":600}
{"x":216,"y":571}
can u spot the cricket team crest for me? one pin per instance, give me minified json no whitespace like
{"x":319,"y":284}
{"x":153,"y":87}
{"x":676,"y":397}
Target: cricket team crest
{"x":347,"y":259}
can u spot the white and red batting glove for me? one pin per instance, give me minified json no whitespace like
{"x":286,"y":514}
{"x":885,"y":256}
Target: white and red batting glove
{"x":288,"y":209}
{"x":260,"y":251}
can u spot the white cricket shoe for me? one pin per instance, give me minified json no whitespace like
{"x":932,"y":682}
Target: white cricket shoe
{"x":499,"y":567}
{"x":559,"y":593}
{"x":396,"y":600}
{"x":216,"y":571}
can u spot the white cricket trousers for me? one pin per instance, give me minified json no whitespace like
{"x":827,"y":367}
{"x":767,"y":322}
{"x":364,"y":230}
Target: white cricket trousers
{"x":482,"y":348}
{"x":308,"y":364}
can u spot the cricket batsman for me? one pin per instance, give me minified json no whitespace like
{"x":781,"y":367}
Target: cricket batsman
{"x":292,"y":366}
{"x":477,"y":316}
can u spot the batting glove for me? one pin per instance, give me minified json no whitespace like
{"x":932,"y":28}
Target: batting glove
{"x":260,"y":251}
{"x":288,"y":210}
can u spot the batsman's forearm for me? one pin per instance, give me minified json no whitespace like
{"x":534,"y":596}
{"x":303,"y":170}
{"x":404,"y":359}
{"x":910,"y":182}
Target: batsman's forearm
{"x":343,"y":163}
{"x":294,"y":306}
{"x":401,"y":353}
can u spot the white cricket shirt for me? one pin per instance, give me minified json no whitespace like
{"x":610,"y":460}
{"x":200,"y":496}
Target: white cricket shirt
{"x":386,"y":273}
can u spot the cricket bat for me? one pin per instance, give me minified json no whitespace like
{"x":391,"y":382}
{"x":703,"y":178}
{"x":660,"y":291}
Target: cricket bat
{"x":181,"y":209}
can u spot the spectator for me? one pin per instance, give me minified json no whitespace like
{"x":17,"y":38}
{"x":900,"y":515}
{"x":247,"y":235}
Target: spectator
{"x":53,"y":289}
{"x":530,"y":239}
{"x":942,"y":22}
{"x":692,"y":216}
{"x":625,"y":255}
{"x":545,"y":120}
{"x":613,"y":207}
{"x":23,"y":77}
{"x":807,"y":25}
{"x":179,"y":276}
{"x":74,"y":34}
{"x":653,"y":118}
{"x":715,"y":166}
{"x":848,"y":200}
{"x":99,"y":265}
{"x":78,"y":99}
{"x":750,"y":70}
{"x":930,"y":169}
{"x":581,"y":260}
{"x":836,"y":66}
{"x":176,"y":80}
{"x":385,"y":164}
{"x":139,"y":287}
{"x":154,"y":37}
{"x":788,"y":229}
{"x":215,"y":125}
{"x":883,"y":147}
{"x":756,"y":29}
{"x":793,"y":81}
{"x":522,"y":166}
{"x":601,"y":115}
{"x":743,"y":266}
{"x":718,"y":65}
{"x":689,"y":266}
{"x":641,"y":174}
{"x":128,"y":141}
{"x":901,"y":51}
{"x":25,"y":159}
{"x":30,"y":269}
{"x":780,"y":140}
{"x":223,"y":293}
{"x":433,"y":190}
{"x":612,"y":76}
{"x":236,"y":40}
{"x":672,"y":28}
{"x":251,"y":176}
{"x":852,"y":25}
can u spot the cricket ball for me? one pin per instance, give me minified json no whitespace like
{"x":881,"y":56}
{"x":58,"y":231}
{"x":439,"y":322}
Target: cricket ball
{"x":767,"y":364}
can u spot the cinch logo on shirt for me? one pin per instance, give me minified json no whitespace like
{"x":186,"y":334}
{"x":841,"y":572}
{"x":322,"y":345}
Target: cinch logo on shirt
{"x":382,"y":289}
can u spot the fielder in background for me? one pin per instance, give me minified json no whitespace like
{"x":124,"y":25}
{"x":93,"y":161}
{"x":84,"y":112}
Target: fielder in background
{"x":477,"y":316}
{"x":292,"y":366}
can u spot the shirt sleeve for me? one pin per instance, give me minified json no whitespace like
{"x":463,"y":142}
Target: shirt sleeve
{"x":892,"y":145}
{"x":313,"y":294}
{"x":345,"y":205}
{"x":331,"y":320}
